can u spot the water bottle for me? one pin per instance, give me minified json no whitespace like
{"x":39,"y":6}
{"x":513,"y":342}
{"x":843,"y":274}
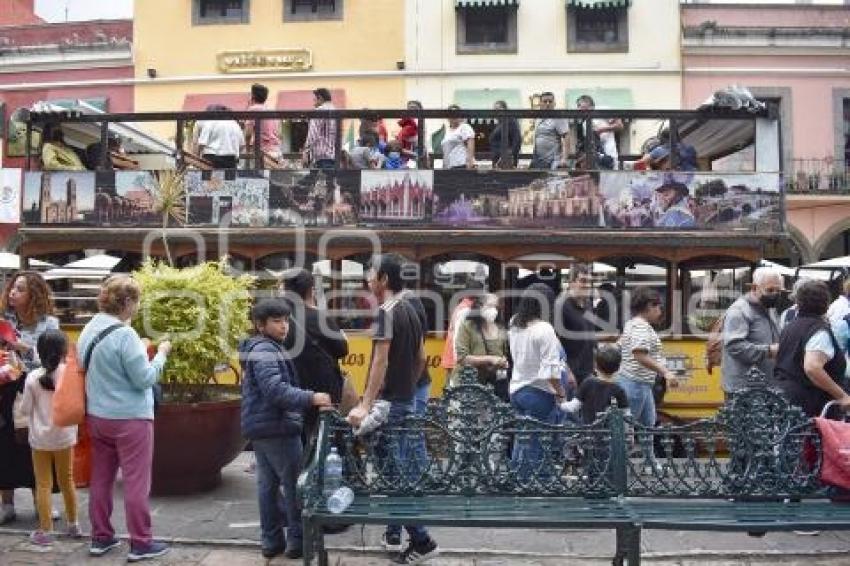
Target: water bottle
{"x":340,"y":500}
{"x":333,"y":473}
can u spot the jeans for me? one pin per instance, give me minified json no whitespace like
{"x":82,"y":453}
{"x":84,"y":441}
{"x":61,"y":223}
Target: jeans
{"x":125,"y":444}
{"x":527,"y":453}
{"x":400,"y":462}
{"x":642,"y":407}
{"x":278,"y":465}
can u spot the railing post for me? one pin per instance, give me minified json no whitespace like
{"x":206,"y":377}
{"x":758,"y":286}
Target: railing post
{"x":178,"y":143}
{"x":674,"y":142}
{"x":618,"y":452}
{"x":29,"y":144}
{"x":421,"y":150}
{"x":589,"y":147}
{"x":103,"y":158}
{"x":338,"y":146}
{"x":258,"y":150}
{"x":506,"y":157}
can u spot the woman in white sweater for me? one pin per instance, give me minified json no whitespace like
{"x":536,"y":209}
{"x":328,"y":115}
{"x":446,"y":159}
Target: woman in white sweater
{"x":535,"y":387}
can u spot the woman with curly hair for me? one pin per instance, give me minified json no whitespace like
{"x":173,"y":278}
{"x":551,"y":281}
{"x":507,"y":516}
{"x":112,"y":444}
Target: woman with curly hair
{"x":28,"y":306}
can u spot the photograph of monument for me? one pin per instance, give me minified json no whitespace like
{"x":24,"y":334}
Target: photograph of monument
{"x":396,"y":196}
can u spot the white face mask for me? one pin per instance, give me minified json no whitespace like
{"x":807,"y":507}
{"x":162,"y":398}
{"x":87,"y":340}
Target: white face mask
{"x":490,"y":314}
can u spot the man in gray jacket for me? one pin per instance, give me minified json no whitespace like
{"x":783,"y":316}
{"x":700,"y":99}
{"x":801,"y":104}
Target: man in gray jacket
{"x":751,"y":331}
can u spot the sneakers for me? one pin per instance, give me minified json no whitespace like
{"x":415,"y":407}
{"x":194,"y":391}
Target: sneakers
{"x":54,"y":514}
{"x":7,"y":513}
{"x":153,"y":549}
{"x":807,"y":533}
{"x":101,"y":547}
{"x":391,"y":543}
{"x":270,"y":553}
{"x":294,"y":548}
{"x":73,"y":530}
{"x":41,"y":538}
{"x":418,"y":553}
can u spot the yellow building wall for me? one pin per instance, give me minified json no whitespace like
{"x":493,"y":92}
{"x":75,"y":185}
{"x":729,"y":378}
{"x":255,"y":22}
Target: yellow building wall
{"x":370,"y":37}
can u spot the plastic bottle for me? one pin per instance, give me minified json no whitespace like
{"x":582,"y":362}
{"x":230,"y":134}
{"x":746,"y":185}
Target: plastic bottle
{"x":340,"y":500}
{"x":333,"y":473}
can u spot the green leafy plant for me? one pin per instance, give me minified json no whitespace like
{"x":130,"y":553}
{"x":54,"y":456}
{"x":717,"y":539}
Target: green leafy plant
{"x":203,"y":311}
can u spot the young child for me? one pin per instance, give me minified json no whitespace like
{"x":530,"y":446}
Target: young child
{"x":595,"y":393}
{"x":273,"y":408}
{"x":10,"y":363}
{"x":52,"y":446}
{"x":394,"y":158}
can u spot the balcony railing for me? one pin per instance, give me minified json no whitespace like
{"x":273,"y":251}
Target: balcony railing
{"x":817,"y":176}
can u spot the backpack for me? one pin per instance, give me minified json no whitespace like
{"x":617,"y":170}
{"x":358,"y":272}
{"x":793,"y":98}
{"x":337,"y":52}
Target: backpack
{"x":714,"y":344}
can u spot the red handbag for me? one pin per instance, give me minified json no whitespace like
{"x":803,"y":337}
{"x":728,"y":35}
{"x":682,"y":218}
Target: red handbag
{"x":835,"y":443}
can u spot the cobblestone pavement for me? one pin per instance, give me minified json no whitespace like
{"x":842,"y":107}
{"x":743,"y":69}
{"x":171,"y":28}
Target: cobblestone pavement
{"x":222,"y":527}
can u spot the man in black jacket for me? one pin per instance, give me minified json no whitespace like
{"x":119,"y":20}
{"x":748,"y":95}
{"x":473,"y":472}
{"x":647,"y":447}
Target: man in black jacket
{"x":315,"y":342}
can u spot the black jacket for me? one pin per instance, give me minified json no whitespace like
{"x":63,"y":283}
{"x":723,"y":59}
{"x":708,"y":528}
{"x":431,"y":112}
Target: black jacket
{"x":316,"y":345}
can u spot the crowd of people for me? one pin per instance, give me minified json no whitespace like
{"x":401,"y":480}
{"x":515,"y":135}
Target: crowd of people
{"x":544,"y":361}
{"x":557,"y":143}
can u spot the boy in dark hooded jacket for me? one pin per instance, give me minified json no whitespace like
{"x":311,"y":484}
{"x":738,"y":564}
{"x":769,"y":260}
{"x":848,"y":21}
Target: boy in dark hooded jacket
{"x":273,"y":408}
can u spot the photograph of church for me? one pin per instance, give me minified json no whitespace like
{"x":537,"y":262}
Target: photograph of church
{"x":58,"y":197}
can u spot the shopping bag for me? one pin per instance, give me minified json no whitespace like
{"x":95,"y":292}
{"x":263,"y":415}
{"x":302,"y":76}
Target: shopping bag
{"x":835,"y":444}
{"x":69,"y":399}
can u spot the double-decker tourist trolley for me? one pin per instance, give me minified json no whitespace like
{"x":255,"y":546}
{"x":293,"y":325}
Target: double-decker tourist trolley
{"x":692,"y":228}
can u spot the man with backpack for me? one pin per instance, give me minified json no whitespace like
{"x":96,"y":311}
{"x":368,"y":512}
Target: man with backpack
{"x":751,"y":331}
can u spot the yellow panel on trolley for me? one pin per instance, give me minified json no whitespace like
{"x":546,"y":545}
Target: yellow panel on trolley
{"x":697,"y":396}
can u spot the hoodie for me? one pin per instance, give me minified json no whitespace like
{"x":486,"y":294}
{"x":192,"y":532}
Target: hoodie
{"x":272,"y":402}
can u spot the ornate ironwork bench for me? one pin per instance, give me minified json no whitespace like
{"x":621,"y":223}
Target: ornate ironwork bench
{"x":471,"y":461}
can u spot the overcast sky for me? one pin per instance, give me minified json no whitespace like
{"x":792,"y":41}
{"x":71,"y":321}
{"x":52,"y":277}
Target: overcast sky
{"x":55,"y":10}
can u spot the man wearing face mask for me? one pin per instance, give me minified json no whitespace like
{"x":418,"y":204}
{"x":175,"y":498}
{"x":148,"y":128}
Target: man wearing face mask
{"x":751,"y":331}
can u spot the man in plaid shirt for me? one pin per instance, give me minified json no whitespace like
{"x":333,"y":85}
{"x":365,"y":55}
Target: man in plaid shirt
{"x":320,"y":147}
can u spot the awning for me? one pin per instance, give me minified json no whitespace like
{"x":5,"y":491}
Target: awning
{"x":483,"y":99}
{"x":233,"y":100}
{"x":303,"y":99}
{"x":486,"y":3}
{"x":81,"y":134}
{"x":603,"y":98}
{"x":599,"y":3}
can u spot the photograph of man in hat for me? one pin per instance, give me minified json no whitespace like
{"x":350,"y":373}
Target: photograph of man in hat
{"x":673,"y":201}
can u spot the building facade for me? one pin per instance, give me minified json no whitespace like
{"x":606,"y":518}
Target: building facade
{"x":61,"y":64}
{"x":794,"y":56}
{"x":474,"y":52}
{"x":199,"y":52}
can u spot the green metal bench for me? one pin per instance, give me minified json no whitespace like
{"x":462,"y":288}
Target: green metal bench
{"x":751,"y":468}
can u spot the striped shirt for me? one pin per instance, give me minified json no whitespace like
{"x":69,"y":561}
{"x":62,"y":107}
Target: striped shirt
{"x":321,"y":137}
{"x":638,"y":334}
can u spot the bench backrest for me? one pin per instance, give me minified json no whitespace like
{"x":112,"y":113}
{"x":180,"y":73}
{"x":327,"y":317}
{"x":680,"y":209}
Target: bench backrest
{"x":470,"y":443}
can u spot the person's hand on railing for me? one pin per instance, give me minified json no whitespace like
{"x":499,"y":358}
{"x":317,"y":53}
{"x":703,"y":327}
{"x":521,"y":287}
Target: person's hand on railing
{"x":322,"y":400}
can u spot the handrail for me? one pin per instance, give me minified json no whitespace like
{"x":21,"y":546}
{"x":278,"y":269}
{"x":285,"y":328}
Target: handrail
{"x":678,"y":115}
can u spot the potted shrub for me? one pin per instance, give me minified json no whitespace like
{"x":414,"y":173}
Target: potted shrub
{"x":204,"y":311}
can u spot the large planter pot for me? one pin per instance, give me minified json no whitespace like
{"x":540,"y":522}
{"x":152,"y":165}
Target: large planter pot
{"x":192,"y":443}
